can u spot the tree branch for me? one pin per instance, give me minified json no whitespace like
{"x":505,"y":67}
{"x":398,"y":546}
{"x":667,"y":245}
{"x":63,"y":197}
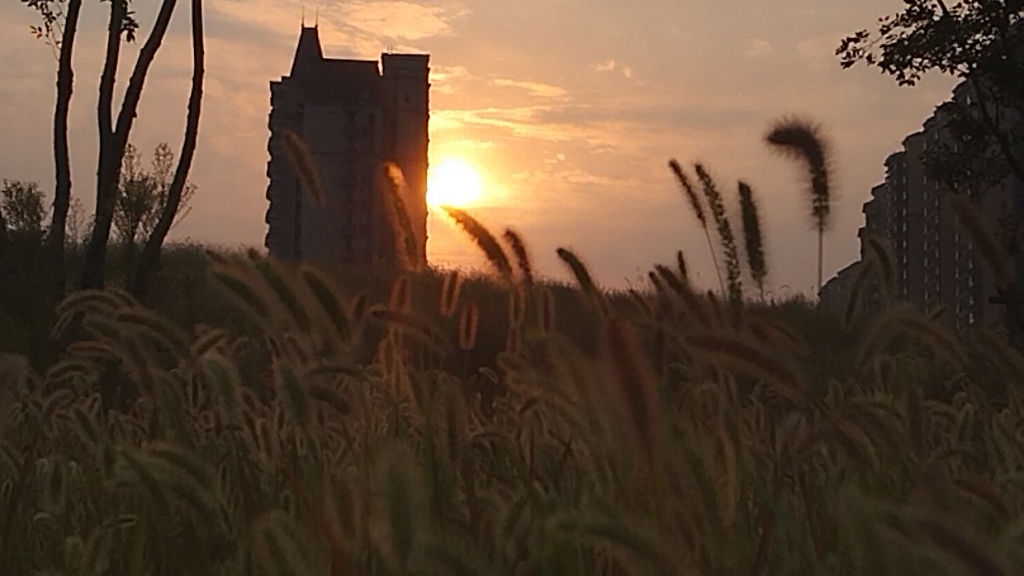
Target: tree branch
{"x":112,"y":153}
{"x":147,"y":54}
{"x":149,"y":259}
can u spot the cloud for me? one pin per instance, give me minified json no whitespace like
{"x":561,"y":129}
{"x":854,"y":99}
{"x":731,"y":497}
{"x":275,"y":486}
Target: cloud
{"x":612,"y":65}
{"x":453,"y":144}
{"x":443,"y":79}
{"x":759,"y":47}
{"x":396,"y":19}
{"x":447,"y":73}
{"x":577,"y":176}
{"x":442,"y":122}
{"x":537,"y":89}
{"x":270,"y":15}
{"x":556,"y":159}
{"x":526,"y":123}
{"x":652,"y":115}
{"x":358,"y":28}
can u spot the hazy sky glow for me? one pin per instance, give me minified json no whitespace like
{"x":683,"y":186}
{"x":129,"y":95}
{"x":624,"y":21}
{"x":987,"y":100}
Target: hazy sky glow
{"x":570,"y":110}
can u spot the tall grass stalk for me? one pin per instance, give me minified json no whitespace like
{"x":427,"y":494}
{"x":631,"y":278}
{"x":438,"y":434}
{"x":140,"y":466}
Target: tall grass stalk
{"x":802,"y":140}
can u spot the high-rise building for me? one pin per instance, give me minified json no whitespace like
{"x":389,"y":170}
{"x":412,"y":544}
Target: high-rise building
{"x":354,"y":119}
{"x":935,"y":262}
{"x":876,"y":224}
{"x":835,"y":292}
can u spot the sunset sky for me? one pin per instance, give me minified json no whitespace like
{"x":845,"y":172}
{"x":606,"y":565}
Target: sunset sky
{"x":569,"y":109}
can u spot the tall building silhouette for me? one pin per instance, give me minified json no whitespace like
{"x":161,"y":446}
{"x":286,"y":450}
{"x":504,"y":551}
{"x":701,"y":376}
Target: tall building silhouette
{"x":354,"y":118}
{"x":935,"y":261}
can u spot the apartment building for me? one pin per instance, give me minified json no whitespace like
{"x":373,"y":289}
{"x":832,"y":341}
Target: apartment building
{"x":353,"y":118}
{"x":935,"y":261}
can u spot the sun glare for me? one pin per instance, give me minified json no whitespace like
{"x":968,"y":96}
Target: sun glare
{"x":453,"y":183}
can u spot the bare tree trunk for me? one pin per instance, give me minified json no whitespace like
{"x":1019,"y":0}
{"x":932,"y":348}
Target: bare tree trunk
{"x":150,"y":259}
{"x":95,"y":255}
{"x":113,"y":141}
{"x":61,"y":154}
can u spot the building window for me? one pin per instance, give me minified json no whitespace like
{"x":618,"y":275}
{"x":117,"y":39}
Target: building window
{"x":408,"y":98}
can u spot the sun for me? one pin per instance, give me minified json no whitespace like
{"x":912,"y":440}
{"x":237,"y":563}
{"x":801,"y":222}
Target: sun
{"x":455,"y":183}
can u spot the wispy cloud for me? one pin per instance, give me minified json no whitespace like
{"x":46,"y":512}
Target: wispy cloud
{"x":396,"y":19}
{"x":525,"y":123}
{"x":538,"y":89}
{"x":357,"y":29}
{"x":446,"y":79}
{"x":576,"y":176}
{"x":611,"y":66}
{"x":447,"y":73}
{"x":759,"y":47}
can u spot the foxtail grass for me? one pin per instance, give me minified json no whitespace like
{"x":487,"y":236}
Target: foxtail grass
{"x":634,"y":385}
{"x":451,"y":288}
{"x":583,"y":278}
{"x":880,"y":251}
{"x":515,"y":242}
{"x":674,"y":282}
{"x":725,"y":235}
{"x":469,"y":321}
{"x":546,"y":311}
{"x":400,"y":297}
{"x":861,"y":277}
{"x":698,"y":211}
{"x":484,"y":240}
{"x":306,"y":167}
{"x":407,"y":244}
{"x":752,"y":237}
{"x":802,"y":140}
{"x":684,"y":272}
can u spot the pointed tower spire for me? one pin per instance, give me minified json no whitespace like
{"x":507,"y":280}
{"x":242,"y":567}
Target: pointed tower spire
{"x":303,"y":15}
{"x":316,"y":23}
{"x":308,"y":53}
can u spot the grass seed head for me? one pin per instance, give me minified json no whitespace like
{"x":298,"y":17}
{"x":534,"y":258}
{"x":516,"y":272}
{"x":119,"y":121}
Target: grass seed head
{"x":803,"y":140}
{"x":484,"y":239}
{"x":469,"y":321}
{"x":515,"y":242}
{"x":306,"y":167}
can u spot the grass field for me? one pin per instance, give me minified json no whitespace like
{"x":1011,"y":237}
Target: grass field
{"x":253,"y":417}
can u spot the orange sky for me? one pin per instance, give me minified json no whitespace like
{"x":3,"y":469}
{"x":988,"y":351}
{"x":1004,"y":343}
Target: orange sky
{"x":570,"y":107}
